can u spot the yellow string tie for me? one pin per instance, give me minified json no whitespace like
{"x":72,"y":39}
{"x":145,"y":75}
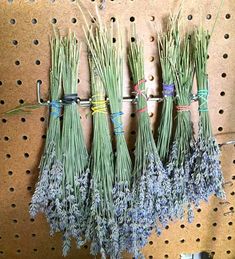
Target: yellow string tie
{"x":99,"y":106}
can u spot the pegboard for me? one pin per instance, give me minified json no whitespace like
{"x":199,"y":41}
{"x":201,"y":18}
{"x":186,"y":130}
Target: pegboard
{"x":25,"y":26}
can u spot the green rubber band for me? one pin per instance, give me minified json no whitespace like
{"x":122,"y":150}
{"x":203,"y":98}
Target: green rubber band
{"x":203,"y":97}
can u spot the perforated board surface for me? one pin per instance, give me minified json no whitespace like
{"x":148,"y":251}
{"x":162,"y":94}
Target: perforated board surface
{"x":25,"y":27}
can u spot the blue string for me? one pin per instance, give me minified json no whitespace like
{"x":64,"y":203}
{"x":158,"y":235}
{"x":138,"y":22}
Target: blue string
{"x":203,"y":94}
{"x":55,"y":109}
{"x":118,"y":127}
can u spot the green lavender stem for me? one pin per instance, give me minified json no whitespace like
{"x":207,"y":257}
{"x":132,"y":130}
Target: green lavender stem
{"x":145,"y":143}
{"x":201,"y":52}
{"x":52,"y":145}
{"x":168,"y":45}
{"x":101,"y":223}
{"x":74,"y":154}
{"x":109,"y":64}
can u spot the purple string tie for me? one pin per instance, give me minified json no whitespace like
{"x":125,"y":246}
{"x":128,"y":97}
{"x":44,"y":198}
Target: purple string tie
{"x":168,"y":90}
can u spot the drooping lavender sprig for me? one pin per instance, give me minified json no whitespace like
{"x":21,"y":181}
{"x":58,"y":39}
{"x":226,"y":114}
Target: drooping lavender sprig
{"x":168,"y":47}
{"x":149,"y":192}
{"x":76,"y":174}
{"x":102,"y":229}
{"x":207,"y":173}
{"x":51,"y":160}
{"x":179,"y":166}
{"x":108,"y":60}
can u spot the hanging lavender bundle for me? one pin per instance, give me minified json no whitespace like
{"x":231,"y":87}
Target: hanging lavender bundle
{"x":168,"y":45}
{"x":207,"y":175}
{"x":102,"y":229}
{"x":71,"y":207}
{"x":151,"y":186}
{"x":108,"y":61}
{"x":180,"y":165}
{"x":50,"y":176}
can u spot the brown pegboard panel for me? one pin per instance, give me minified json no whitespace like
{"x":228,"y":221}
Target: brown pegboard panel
{"x":25,"y":26}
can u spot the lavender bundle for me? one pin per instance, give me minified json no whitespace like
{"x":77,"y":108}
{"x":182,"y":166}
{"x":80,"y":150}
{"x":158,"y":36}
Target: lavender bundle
{"x":180,"y":165}
{"x":108,"y":61}
{"x":207,"y":175}
{"x":102,"y":229}
{"x":47,"y":187}
{"x":151,"y":186}
{"x":168,"y":45}
{"x":75,"y":184}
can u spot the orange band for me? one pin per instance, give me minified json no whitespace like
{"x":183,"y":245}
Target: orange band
{"x":182,"y":108}
{"x":143,"y":110}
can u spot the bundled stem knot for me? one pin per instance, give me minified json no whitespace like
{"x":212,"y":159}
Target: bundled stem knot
{"x":183,"y":108}
{"x":168,"y":90}
{"x":203,"y":100}
{"x":55,"y":108}
{"x":118,"y":126}
{"x":98,"y":105}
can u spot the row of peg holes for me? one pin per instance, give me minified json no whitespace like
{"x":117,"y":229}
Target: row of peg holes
{"x":182,"y":241}
{"x":113,"y":19}
{"x":190,"y":17}
{"x":15,"y":42}
{"x":151,"y":59}
{"x":18,"y":251}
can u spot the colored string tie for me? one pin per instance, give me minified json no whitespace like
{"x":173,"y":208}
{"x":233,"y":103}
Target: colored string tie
{"x":183,"y":108}
{"x":142,"y":93}
{"x":168,"y":90}
{"x":55,"y":108}
{"x":118,"y":127}
{"x":70,"y":99}
{"x":145,"y":109}
{"x":203,"y":97}
{"x":98,"y":106}
{"x":138,"y":91}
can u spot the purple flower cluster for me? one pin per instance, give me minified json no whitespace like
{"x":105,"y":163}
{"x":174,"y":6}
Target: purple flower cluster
{"x":102,"y":229}
{"x":73,"y":213}
{"x":148,"y":207}
{"x":207,"y":176}
{"x":157,"y":197}
{"x":181,"y":184}
{"x":122,"y":198}
{"x":64,"y":212}
{"x":47,"y":188}
{"x":196,"y":179}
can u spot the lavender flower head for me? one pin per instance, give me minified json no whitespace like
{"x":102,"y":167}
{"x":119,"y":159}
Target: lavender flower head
{"x":102,"y":229}
{"x":149,"y":206}
{"x":207,"y":174}
{"x":181,"y":183}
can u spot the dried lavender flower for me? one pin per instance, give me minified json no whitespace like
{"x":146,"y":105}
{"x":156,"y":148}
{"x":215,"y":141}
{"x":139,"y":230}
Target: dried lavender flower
{"x":150,"y":180}
{"x":207,"y":174}
{"x":179,"y":165}
{"x":51,"y":155}
{"x":75,"y":184}
{"x":102,"y":228}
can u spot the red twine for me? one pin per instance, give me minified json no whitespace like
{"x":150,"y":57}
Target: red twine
{"x":136,"y":87}
{"x":143,"y":110}
{"x":140,"y":92}
{"x":182,"y":108}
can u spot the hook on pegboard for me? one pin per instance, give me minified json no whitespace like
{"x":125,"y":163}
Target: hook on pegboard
{"x":102,"y":5}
